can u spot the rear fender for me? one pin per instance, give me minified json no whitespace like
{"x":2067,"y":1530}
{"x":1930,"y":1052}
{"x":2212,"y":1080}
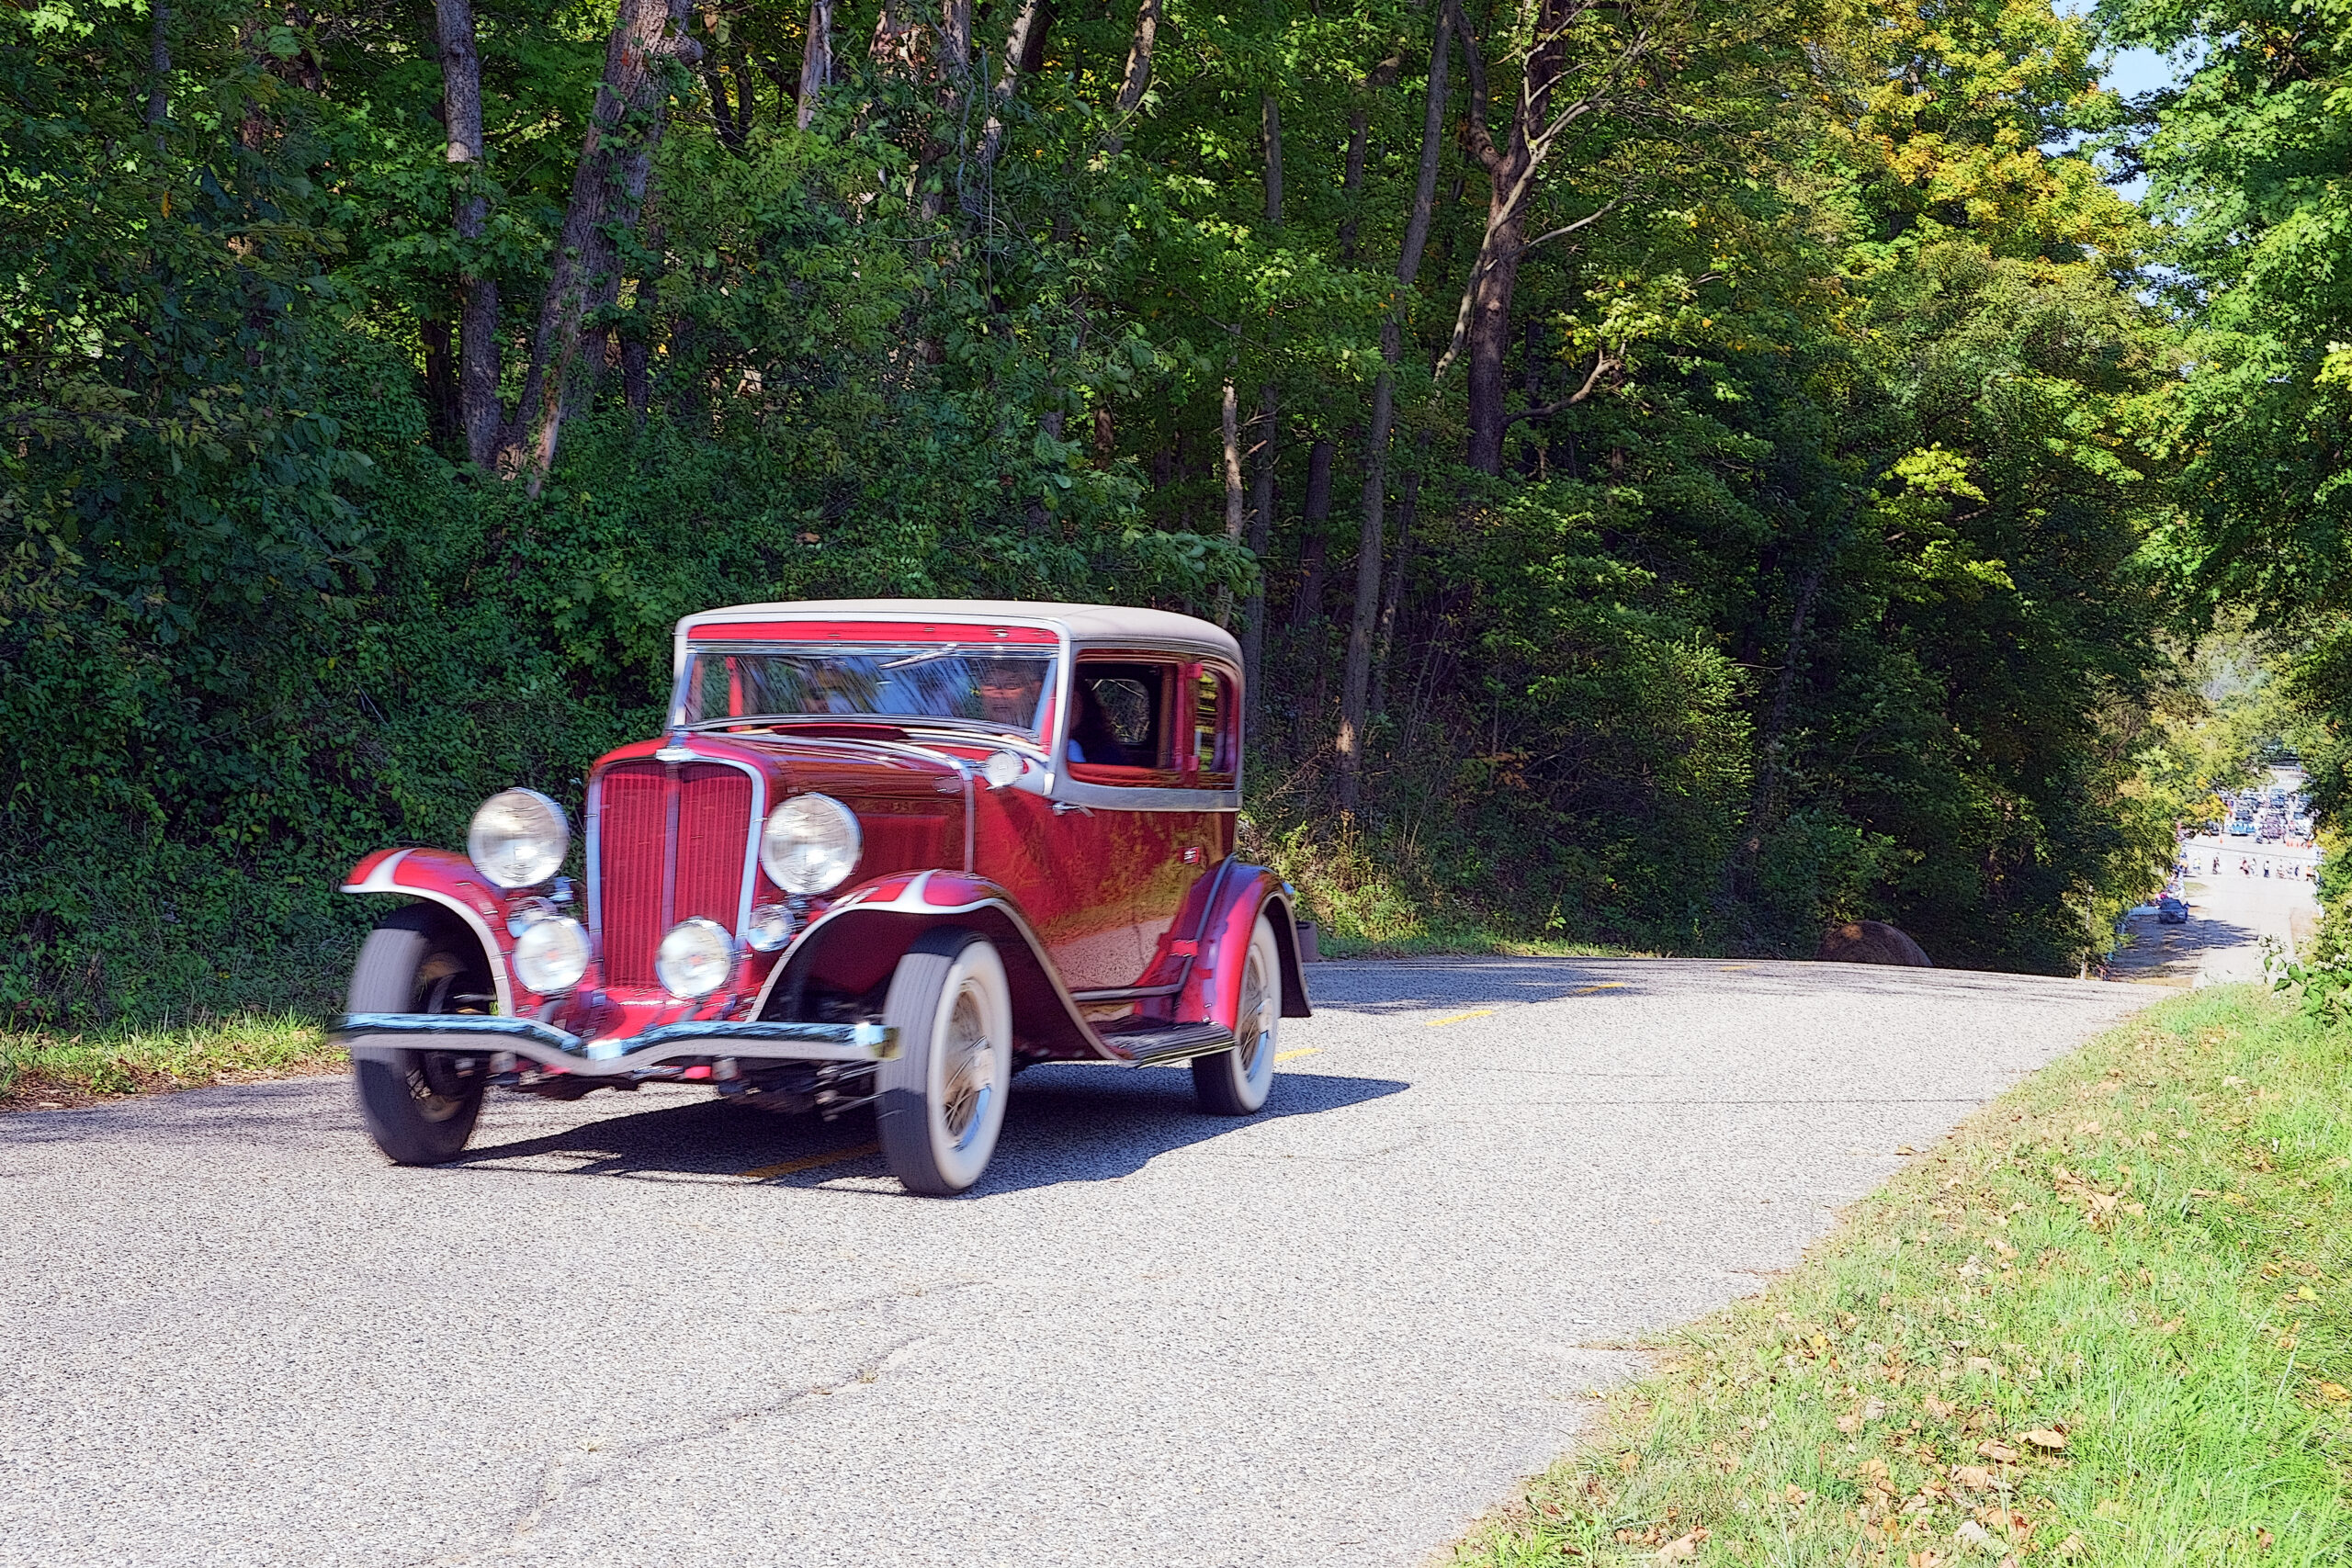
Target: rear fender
{"x":1213,"y":988}
{"x":437,"y":876}
{"x":856,"y":943}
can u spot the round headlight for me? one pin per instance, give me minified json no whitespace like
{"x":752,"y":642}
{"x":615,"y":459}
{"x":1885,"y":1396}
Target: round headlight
{"x":551,"y":955}
{"x":695,"y":958}
{"x":519,"y":838}
{"x":769,"y":928}
{"x":810,"y":844}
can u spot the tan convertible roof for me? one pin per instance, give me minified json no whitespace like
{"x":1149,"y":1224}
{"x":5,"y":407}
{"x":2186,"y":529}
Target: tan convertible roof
{"x":1097,"y":624}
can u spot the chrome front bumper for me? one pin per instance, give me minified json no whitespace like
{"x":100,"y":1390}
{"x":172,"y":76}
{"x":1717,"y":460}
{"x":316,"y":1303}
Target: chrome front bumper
{"x":380,"y":1035}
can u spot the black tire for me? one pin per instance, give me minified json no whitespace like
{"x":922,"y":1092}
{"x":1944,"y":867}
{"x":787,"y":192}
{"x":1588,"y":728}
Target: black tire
{"x":940,"y":1102}
{"x":1236,"y":1082}
{"x":420,"y":1106}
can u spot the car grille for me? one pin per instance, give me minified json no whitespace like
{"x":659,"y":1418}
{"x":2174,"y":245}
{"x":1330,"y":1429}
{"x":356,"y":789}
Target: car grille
{"x":634,"y":907}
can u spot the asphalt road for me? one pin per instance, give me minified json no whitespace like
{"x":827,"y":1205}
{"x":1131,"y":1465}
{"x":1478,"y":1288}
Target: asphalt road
{"x":1332,"y":1334}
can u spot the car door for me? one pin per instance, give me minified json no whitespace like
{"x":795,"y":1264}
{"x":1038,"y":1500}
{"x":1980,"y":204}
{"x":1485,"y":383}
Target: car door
{"x":1190,"y":843}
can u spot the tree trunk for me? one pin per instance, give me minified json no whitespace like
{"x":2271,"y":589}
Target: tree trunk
{"x":1270,"y":118}
{"x":1308,"y":608}
{"x":443,"y":420}
{"x":1235,"y":513}
{"x":607,"y":194}
{"x":1359,"y":143}
{"x":1494,"y":279}
{"x":816,"y":62}
{"x":1261,"y":496}
{"x":1482,"y":326}
{"x":1354,"y":686}
{"x":1351,"y":180}
{"x":1137,"y":80}
{"x":1025,"y":43}
{"x":478,"y":347}
{"x":1392,"y":592}
{"x":1262,"y":527}
{"x":158,"y":68}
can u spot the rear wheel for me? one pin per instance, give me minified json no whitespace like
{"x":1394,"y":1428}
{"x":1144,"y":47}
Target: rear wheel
{"x":420,"y":1106}
{"x":940,"y":1102}
{"x":1236,"y":1082}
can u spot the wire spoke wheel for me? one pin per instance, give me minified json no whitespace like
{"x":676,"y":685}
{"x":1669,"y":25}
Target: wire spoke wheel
{"x":1237,"y":1082}
{"x":940,"y":1102}
{"x":419,"y":1106}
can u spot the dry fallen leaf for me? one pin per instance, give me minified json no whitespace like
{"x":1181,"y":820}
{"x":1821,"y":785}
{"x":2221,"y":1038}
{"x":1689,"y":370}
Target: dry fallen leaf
{"x":2043,"y":1438}
{"x":1629,"y":1462}
{"x":1682,"y":1548}
{"x":1971,"y":1533}
{"x":2070,"y":1547}
{"x":1974,"y":1477}
{"x":1938,"y":1408}
{"x":1999,"y":1453}
{"x":2335,"y":1393}
{"x":2262,"y":1539}
{"x":2086,"y":1127}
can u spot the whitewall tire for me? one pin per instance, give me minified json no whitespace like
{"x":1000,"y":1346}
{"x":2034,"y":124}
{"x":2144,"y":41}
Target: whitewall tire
{"x":940,"y":1102}
{"x":1236,"y":1082}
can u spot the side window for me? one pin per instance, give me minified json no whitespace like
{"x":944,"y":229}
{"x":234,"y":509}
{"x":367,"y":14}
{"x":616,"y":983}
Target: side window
{"x":1214,"y":721}
{"x":1124,"y":714}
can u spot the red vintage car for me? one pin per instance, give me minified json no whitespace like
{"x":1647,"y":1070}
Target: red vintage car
{"x":890,"y":852}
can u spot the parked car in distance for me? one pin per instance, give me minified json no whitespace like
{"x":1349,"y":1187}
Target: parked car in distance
{"x":2171,"y":911}
{"x":888,"y":852}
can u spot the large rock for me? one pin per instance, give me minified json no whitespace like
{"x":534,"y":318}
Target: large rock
{"x":1870,"y":942}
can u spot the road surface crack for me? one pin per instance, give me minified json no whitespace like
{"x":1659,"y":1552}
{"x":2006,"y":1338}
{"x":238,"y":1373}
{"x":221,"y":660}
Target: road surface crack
{"x":558,"y":1484}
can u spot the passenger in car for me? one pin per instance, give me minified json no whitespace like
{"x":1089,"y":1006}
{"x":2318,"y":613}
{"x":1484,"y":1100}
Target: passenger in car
{"x":1091,"y":740}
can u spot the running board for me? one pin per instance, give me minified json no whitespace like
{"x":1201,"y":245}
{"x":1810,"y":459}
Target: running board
{"x":1153,"y":1044}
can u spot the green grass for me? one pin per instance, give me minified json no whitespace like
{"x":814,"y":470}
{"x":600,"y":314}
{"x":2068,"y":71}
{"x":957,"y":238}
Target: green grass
{"x":40,"y":1069}
{"x":2107,"y":1321}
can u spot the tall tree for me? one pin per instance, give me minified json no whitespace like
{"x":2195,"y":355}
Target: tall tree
{"x":1484,"y":323}
{"x":1355,"y":683}
{"x":480,"y":416}
{"x":607,"y":195}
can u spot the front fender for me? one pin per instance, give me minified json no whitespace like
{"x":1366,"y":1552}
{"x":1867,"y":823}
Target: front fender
{"x":438,"y":877}
{"x":1212,"y":986}
{"x":858,"y":939}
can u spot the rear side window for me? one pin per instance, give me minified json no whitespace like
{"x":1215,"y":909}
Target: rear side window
{"x":1121,"y":716}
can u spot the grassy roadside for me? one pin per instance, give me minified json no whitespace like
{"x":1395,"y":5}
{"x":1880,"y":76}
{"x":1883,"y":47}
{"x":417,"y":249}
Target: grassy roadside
{"x":49,"y":1071}
{"x":2107,"y":1321}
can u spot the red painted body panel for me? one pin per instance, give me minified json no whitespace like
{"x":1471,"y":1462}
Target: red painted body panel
{"x":1213,"y":990}
{"x":1072,"y":876}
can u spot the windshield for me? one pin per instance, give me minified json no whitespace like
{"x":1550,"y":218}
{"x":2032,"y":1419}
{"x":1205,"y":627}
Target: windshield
{"x":1003,"y":688}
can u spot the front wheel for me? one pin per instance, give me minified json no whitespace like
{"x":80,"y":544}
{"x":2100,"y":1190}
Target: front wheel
{"x":1236,"y":1082}
{"x":940,"y":1102}
{"x":419,"y":1106}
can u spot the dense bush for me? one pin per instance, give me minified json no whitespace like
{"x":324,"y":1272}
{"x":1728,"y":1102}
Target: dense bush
{"x":1790,"y":579}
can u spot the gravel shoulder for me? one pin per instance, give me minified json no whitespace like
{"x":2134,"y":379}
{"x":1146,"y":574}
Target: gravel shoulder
{"x":1335,"y":1332}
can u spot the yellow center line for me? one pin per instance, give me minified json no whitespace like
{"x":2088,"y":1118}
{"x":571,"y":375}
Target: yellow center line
{"x":1729,"y":968}
{"x":1604,"y":985}
{"x":810,"y":1162}
{"x":1459,"y":1017}
{"x":1295,"y":1056}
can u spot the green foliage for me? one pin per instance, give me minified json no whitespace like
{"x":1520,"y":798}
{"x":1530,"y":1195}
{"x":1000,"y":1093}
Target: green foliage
{"x":1813,"y":586}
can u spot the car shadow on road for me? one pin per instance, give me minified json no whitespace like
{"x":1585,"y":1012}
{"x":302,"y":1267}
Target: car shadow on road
{"x":1064,"y":1123}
